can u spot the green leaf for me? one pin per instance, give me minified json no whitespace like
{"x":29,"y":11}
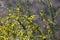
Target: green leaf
{"x":57,"y":12}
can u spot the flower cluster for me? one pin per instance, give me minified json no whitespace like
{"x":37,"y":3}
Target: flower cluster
{"x":19,"y":26}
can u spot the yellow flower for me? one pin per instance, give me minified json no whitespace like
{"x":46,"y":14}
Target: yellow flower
{"x":27,"y":22}
{"x":10,"y":14}
{"x":13,"y":31}
{"x":6,"y":28}
{"x":44,"y":20}
{"x":9,"y":10}
{"x":28,"y":26}
{"x":40,"y":35}
{"x":20,"y":33}
{"x":49,"y":31}
{"x":50,"y":21}
{"x":5,"y":33}
{"x":2,"y":22}
{"x":18,"y":9}
{"x":44,"y":37}
{"x":1,"y":37}
{"x":12,"y":25}
{"x":33,"y":16}
{"x":47,"y":27}
{"x":17,"y":18}
{"x":23,"y":18}
{"x":7,"y":17}
{"x":30,"y":32}
{"x":5,"y":38}
{"x":34,"y":28}
{"x":30,"y":20}
{"x":24,"y":38}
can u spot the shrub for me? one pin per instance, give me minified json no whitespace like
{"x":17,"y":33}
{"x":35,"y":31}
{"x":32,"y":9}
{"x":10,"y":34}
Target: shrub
{"x":16,"y":26}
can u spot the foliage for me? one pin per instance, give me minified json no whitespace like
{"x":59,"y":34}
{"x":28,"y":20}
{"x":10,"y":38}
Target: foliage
{"x":16,"y":26}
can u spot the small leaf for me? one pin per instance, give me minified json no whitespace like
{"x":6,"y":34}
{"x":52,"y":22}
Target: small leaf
{"x":57,"y":12}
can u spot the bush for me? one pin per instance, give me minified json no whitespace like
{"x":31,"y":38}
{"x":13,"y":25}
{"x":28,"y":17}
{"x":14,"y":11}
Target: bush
{"x":16,"y":26}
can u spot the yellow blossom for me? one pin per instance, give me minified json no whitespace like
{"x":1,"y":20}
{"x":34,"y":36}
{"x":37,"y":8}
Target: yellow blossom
{"x":13,"y":32}
{"x":12,"y":25}
{"x":40,"y":35}
{"x":30,"y":32}
{"x":33,"y":16}
{"x":7,"y":17}
{"x":28,"y":26}
{"x":18,"y":9}
{"x":44,"y":20}
{"x":20,"y":34}
{"x":49,"y":31}
{"x":10,"y":14}
{"x":9,"y":10}
{"x":5,"y":38}
{"x":27,"y":22}
{"x":44,"y":37}
{"x":0,"y":28}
